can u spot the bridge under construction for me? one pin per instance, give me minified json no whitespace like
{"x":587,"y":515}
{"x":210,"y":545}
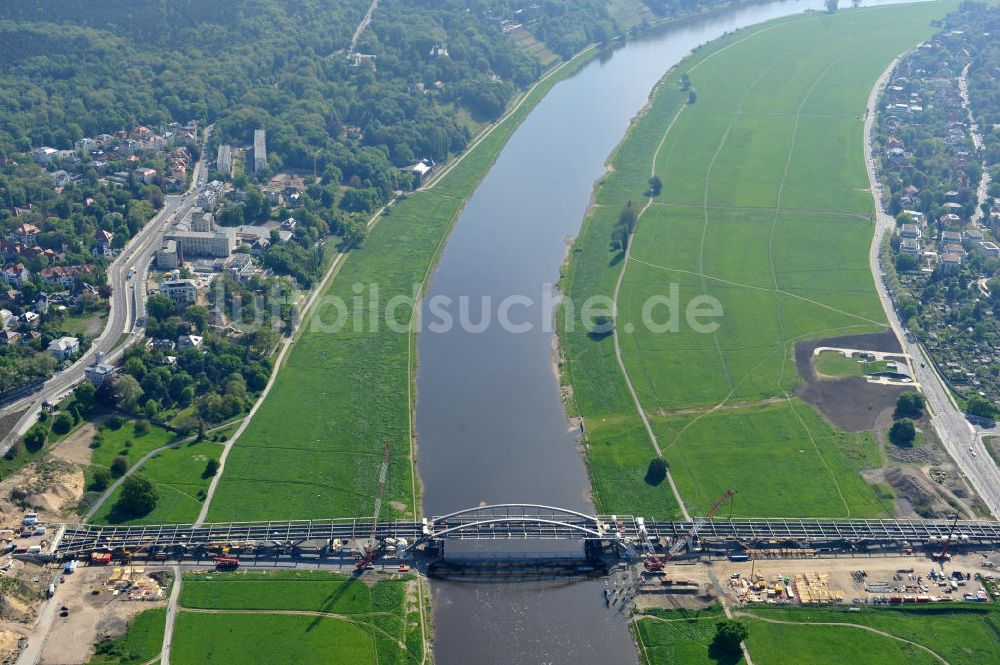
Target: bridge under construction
{"x":522,"y":522}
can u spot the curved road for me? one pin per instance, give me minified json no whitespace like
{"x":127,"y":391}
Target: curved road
{"x":128,"y":302}
{"x":957,"y":435}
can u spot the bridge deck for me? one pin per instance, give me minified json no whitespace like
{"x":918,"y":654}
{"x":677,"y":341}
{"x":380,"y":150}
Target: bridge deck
{"x":493,"y":524}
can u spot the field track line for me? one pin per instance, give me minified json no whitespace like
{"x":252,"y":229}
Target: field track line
{"x":628,"y":256}
{"x":790,"y":294}
{"x":857,"y":626}
{"x":172,"y":606}
{"x":621,"y":275}
{"x":774,"y":275}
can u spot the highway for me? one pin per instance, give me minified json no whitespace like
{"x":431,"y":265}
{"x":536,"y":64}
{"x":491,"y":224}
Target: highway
{"x":958,"y":436}
{"x":128,"y":304}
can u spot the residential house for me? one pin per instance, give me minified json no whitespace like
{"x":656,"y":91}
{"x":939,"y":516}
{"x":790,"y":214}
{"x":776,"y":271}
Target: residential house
{"x":953,"y":248}
{"x":420,"y":171}
{"x":185,"y":342}
{"x":99,"y":372}
{"x":988,"y":249}
{"x":145,"y":175}
{"x":62,"y":276}
{"x":910,"y":246}
{"x":26,"y":234}
{"x":950,"y":263}
{"x":7,"y":318}
{"x":16,"y":275}
{"x":64,"y":348}
{"x":30,"y":320}
{"x":161,"y":344}
{"x":972,"y":235}
{"x":909,"y":231}
{"x":60,"y":178}
{"x":9,"y":337}
{"x":44,"y":154}
{"x":181,"y":291}
{"x":240,"y":266}
{"x":951,"y":238}
{"x":103,"y":245}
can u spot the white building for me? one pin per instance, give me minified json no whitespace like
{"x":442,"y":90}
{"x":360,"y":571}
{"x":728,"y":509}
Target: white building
{"x":185,"y":342}
{"x":64,"y":347}
{"x":180,"y":290}
{"x":44,"y":154}
{"x":99,"y":371}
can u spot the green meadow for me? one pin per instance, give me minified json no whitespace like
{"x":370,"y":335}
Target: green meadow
{"x":179,"y":474}
{"x":765,"y":209}
{"x":295,"y":617}
{"x":964,"y":635}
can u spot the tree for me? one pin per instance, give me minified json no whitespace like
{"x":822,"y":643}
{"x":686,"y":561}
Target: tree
{"x":139,"y":496}
{"x":657,"y":471}
{"x":211,"y":468}
{"x":84,"y":394}
{"x":127,"y":391}
{"x":35,"y":437}
{"x":906,"y":262}
{"x":655,"y":185}
{"x":119,"y":466}
{"x":909,"y":405}
{"x":831,"y":6}
{"x":601,"y":326}
{"x":685,"y":81}
{"x":902,"y":433}
{"x":62,"y":424}
{"x":140,"y":427}
{"x":692,"y":97}
{"x":979,"y":407}
{"x":160,"y":307}
{"x":100,"y":480}
{"x":728,"y":635}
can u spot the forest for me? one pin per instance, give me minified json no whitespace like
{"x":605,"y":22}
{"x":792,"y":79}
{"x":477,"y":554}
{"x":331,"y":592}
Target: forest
{"x":75,"y":69}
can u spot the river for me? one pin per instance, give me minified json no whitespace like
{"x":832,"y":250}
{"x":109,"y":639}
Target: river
{"x":490,"y":422}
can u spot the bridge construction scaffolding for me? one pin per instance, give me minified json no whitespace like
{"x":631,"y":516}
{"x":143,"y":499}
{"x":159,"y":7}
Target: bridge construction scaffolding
{"x":524,"y":522}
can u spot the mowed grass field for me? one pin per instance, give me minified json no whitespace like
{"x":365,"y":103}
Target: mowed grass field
{"x":960,"y":634}
{"x":765,"y":208}
{"x":179,"y":474}
{"x":314,"y":447}
{"x":295,"y":617}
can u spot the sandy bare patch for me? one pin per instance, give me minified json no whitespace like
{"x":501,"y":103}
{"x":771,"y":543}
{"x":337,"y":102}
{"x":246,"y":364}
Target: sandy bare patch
{"x":76,"y":447}
{"x":51,"y":486}
{"x":91,"y":618}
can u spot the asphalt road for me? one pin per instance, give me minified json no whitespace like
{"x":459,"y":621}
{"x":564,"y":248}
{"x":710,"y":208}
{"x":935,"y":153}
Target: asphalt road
{"x":128,"y":306}
{"x":958,"y":436}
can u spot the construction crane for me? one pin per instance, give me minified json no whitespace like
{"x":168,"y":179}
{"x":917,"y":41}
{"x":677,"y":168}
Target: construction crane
{"x":943,"y":554}
{"x":654,"y":563}
{"x":368,"y":554}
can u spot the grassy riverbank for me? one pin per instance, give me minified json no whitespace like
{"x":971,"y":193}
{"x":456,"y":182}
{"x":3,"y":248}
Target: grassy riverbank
{"x":313,"y":449}
{"x":819,"y":635}
{"x":764,"y":208}
{"x":296,"y":617}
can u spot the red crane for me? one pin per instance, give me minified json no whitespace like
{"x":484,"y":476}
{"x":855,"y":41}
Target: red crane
{"x":368,"y":554}
{"x":654,"y":563}
{"x":943,"y":554}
